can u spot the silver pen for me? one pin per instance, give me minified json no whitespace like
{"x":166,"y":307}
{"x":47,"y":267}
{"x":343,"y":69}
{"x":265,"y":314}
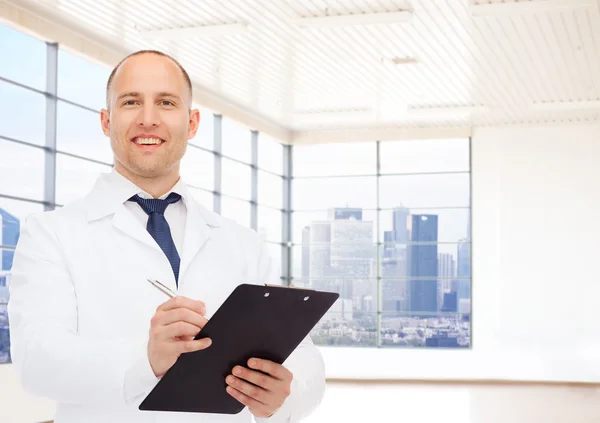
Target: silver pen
{"x":164,"y":289}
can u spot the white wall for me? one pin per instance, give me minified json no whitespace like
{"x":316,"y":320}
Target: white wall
{"x":536,"y":256}
{"x":536,"y":287}
{"x":18,"y":407}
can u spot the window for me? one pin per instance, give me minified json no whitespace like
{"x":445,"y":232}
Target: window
{"x":12,"y":214}
{"x":270,"y":154}
{"x":81,"y":80}
{"x":327,"y":193}
{"x":275,"y":254}
{"x":270,"y":189}
{"x":269,"y":223}
{"x":198,"y":168}
{"x":238,"y":211}
{"x":335,"y":159}
{"x":236,"y":141}
{"x":205,"y":198}
{"x":425,"y":156}
{"x":27,"y":64}
{"x":22,"y":114}
{"x":237,"y":179}
{"x":21,"y":170}
{"x":79,"y":132}
{"x":205,"y":137}
{"x":400,"y":260}
{"x":75,"y":177}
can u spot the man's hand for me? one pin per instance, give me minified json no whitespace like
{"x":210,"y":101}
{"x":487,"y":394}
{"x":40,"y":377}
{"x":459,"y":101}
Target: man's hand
{"x":172,"y":332}
{"x":262,"y":391}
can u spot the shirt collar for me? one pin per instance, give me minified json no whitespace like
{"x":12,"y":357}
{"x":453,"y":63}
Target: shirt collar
{"x":112,"y":190}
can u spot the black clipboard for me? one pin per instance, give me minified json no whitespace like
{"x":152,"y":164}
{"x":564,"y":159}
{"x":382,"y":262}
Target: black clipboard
{"x":263,"y":321}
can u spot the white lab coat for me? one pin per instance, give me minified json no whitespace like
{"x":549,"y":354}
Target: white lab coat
{"x":80,"y":307}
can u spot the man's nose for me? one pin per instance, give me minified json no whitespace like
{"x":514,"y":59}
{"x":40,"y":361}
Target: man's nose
{"x":149,"y":116}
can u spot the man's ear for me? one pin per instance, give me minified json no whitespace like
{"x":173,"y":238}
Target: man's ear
{"x":105,"y":121}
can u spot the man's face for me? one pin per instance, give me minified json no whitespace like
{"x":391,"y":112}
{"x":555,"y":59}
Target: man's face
{"x":149,"y":122}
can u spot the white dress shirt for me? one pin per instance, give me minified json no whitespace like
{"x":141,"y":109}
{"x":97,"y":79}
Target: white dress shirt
{"x":175,"y":214}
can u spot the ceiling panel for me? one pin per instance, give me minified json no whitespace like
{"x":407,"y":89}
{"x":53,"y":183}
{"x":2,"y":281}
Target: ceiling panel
{"x":361,"y":76}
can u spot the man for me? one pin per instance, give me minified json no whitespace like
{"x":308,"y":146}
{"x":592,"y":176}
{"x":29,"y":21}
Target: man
{"x":88,"y":330}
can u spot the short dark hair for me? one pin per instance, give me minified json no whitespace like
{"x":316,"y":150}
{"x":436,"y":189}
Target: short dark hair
{"x":186,"y":76}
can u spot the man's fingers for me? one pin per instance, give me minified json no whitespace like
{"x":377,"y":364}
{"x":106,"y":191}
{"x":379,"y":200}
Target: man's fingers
{"x":256,"y":393}
{"x":257,"y":378}
{"x":176,"y":329}
{"x":183,"y":302}
{"x":180,"y":315}
{"x":271,"y":368}
{"x":191,"y":346}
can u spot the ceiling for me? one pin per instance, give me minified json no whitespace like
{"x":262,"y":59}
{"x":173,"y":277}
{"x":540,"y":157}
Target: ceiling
{"x":446,"y":65}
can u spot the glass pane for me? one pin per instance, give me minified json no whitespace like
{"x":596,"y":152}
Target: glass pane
{"x":22,"y":114}
{"x":446,"y":155}
{"x":75,"y":177}
{"x":82,"y":80}
{"x":12,"y":214}
{"x":440,"y":331}
{"x":269,"y":224}
{"x":236,"y":141}
{"x":452,"y":224}
{"x":425,"y":191}
{"x":327,"y":193}
{"x":21,"y":170}
{"x":334,"y":261}
{"x":270,"y":154}
{"x":275,"y":253}
{"x":205,"y":137}
{"x":198,"y":168}
{"x":335,"y":159}
{"x":205,"y":198}
{"x":27,"y":64}
{"x":343,"y":327}
{"x":6,"y":258}
{"x":236,"y":178}
{"x":425,"y":260}
{"x":343,"y":224}
{"x":270,"y":190}
{"x":79,"y":132}
{"x":237,"y":210}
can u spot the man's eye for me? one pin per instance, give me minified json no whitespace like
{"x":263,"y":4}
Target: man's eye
{"x":166,"y":103}
{"x":129,"y":103}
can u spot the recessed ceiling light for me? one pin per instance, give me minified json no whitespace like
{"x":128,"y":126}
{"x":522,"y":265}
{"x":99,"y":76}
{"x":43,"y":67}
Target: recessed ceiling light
{"x":485,"y":8}
{"x":359,"y":19}
{"x":195,"y":31}
{"x":566,"y":105}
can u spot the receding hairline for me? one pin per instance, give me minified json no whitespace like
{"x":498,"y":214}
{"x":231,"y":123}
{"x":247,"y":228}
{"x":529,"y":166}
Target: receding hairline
{"x":111,"y":77}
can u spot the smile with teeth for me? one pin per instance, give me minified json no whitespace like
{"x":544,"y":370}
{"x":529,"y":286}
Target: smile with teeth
{"x":148,"y":141}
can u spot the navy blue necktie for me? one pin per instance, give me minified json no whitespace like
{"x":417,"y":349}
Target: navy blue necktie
{"x":158,"y":226}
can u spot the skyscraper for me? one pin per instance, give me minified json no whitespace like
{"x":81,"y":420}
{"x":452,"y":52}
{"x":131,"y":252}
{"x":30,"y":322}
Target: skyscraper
{"x":463,"y":289}
{"x":446,"y":272}
{"x":423,"y":263}
{"x":353,"y":258}
{"x":10,"y":229}
{"x":400,"y":225}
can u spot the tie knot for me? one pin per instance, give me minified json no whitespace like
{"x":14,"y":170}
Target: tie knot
{"x":156,"y":205}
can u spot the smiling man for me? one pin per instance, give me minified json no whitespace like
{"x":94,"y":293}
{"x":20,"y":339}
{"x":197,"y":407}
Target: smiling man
{"x":87,"y":330}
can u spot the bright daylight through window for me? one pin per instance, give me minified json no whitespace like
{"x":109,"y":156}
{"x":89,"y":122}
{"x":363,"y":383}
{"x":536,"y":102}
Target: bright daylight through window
{"x":396,"y":244}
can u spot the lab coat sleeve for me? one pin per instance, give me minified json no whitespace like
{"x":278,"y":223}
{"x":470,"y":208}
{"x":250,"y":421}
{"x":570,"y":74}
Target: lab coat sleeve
{"x":51,"y":358}
{"x":305,"y":362}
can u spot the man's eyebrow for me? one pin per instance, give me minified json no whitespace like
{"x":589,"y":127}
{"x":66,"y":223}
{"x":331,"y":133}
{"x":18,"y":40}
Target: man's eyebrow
{"x":129,"y":94}
{"x":167,"y":94}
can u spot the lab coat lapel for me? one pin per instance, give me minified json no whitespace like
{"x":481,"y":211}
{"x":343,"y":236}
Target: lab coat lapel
{"x":198,"y":226}
{"x":125,"y":222}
